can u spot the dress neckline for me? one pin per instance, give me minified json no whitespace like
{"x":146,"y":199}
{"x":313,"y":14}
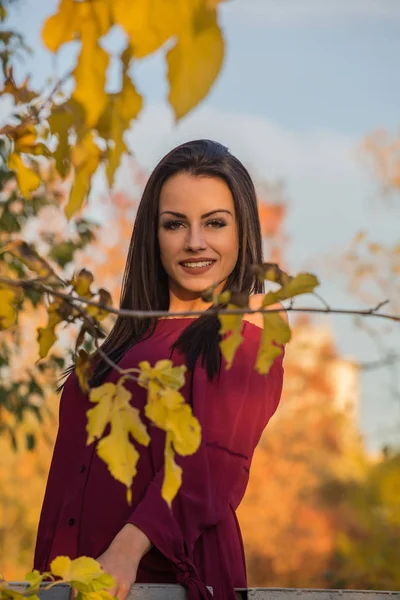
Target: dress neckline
{"x":166,"y":319}
{"x":176,"y":318}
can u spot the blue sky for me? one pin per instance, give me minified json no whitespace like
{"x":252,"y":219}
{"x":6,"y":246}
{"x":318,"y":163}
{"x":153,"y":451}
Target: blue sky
{"x":303,"y":82}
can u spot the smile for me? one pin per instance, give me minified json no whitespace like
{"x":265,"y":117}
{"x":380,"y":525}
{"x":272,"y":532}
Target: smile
{"x":197,"y":268}
{"x":198,"y":264}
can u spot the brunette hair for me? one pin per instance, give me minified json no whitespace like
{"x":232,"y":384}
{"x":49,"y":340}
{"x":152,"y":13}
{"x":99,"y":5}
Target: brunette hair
{"x":145,"y":282}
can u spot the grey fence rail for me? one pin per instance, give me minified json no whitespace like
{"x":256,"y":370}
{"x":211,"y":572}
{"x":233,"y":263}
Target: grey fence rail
{"x":177,"y":592}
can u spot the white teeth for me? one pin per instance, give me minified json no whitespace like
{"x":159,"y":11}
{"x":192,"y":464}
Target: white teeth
{"x":198,"y":264}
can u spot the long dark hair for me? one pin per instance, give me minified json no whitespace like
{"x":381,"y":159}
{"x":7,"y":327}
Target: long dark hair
{"x":145,"y":282}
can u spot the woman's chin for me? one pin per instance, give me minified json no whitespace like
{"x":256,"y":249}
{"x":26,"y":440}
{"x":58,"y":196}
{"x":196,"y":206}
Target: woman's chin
{"x":195,"y":288}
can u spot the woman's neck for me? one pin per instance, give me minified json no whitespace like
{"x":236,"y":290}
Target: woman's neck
{"x":195,"y":305}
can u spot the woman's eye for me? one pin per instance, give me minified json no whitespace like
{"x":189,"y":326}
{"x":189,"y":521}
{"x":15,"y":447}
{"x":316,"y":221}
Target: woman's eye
{"x":216,"y":223}
{"x":172,"y":224}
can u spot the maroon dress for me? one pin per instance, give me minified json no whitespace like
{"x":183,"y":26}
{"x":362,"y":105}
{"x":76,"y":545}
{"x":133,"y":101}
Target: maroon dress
{"x":197,"y":543}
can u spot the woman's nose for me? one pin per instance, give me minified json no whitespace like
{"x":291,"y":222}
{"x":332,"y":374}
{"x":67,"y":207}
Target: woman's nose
{"x":195,"y":239}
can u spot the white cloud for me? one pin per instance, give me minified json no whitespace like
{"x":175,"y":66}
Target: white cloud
{"x":327,"y":185}
{"x":261,"y":143}
{"x":288,"y":11}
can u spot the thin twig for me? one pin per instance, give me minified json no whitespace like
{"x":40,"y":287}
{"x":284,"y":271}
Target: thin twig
{"x":388,"y":360}
{"x":379,"y":305}
{"x":321,"y":299}
{"x":143,"y":314}
{"x":87,"y":319}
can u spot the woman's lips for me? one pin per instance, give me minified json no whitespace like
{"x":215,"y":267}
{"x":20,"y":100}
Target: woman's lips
{"x":197,"y":270}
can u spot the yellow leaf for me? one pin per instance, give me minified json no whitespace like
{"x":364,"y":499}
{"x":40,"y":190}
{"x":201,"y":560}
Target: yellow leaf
{"x":27,"y":254}
{"x":100,"y":415}
{"x":224,"y":297}
{"x":82,"y":569}
{"x":83,"y":370}
{"x":134,"y":425}
{"x":160,"y":403}
{"x":24,"y":137}
{"x":60,"y":567}
{"x":9,"y":593}
{"x":173,"y":474}
{"x":73,"y":19}
{"x":230,"y":344}
{"x":272,"y":272}
{"x":61,"y":27}
{"x":34,"y":578}
{"x":120,"y":456}
{"x":99,"y":313}
{"x":195,"y":62}
{"x":213,"y":3}
{"x":163,"y":373}
{"x":275,"y":330}
{"x":95,"y":14}
{"x":58,"y":311}
{"x":121,"y":108}
{"x":62,"y":119}
{"x":116,"y":449}
{"x":81,"y":282}
{"x":46,"y":338}
{"x":150,"y":24}
{"x":90,"y":78}
{"x":85,"y":158}
{"x":184,"y":430}
{"x":21,"y":94}
{"x":303,"y":283}
{"x":167,"y":409}
{"x":9,"y":297}
{"x":27,"y":179}
{"x":91,"y":69}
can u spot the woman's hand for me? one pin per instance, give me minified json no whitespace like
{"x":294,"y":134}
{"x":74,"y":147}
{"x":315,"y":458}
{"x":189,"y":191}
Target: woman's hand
{"x":122,"y":557}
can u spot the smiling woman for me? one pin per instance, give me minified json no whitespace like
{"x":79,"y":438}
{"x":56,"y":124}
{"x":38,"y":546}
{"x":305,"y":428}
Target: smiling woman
{"x":208,"y":233}
{"x":198,"y":237}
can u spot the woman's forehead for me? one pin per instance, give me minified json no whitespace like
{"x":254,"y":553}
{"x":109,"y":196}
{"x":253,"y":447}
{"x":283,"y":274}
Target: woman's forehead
{"x":184,"y":192}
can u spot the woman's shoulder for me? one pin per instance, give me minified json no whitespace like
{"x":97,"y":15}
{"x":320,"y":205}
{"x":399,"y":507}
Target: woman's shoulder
{"x":255,"y":301}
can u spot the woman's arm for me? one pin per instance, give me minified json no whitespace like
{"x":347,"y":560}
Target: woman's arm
{"x":122,"y":557}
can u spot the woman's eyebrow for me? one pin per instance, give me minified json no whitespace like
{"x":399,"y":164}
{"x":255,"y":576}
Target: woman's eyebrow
{"x":182,"y":216}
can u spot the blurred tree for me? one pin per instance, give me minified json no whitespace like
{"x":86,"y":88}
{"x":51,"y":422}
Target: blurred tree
{"x":288,"y":532}
{"x":367,"y":528}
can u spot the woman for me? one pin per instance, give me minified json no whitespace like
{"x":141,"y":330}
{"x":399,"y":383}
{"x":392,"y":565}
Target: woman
{"x":197,"y":224}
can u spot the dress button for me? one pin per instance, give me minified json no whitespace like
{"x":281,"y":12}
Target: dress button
{"x":71,"y":522}
{"x":83,"y":467}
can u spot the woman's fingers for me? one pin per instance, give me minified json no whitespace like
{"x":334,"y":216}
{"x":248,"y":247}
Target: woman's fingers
{"x":73,"y":593}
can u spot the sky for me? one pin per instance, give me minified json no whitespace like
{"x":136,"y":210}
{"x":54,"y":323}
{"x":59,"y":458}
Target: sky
{"x":303,"y":83}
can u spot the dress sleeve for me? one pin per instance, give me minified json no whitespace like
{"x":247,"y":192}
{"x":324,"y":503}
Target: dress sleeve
{"x":233,"y":412}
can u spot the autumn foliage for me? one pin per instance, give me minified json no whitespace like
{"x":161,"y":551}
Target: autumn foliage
{"x":56,"y":297}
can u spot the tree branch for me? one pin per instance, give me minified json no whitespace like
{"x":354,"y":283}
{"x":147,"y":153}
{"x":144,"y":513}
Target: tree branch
{"x":143,"y":314}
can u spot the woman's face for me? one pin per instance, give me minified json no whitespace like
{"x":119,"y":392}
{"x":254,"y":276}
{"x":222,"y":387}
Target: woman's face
{"x":197,"y":233}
